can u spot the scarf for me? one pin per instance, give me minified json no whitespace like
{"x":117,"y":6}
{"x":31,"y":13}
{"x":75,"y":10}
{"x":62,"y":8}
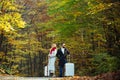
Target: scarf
{"x":53,"y":49}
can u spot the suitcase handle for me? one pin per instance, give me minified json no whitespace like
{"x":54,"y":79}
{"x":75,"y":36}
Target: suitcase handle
{"x":69,"y":58}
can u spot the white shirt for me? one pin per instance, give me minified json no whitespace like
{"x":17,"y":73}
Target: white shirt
{"x":62,"y":49}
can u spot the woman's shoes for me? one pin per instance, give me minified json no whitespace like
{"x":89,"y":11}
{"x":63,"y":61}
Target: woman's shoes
{"x":54,"y":75}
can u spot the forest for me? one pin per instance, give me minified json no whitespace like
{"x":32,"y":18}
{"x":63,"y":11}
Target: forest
{"x":89,"y":28}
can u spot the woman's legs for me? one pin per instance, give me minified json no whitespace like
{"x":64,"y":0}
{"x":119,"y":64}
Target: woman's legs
{"x":52,"y":66}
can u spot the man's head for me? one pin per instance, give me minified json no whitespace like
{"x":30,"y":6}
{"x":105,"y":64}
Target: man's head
{"x":63,"y":45}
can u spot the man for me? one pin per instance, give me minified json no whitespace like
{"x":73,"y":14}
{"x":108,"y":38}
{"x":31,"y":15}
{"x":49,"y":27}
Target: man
{"x":62,"y":56}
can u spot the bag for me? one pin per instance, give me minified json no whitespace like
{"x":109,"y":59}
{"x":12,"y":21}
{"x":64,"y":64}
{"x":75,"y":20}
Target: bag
{"x":46,"y":71}
{"x":69,"y":68}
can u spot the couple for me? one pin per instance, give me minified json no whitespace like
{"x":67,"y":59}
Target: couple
{"x":61,"y":54}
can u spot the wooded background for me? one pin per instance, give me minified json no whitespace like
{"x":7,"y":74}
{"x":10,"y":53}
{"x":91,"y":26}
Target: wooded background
{"x":90,"y":29}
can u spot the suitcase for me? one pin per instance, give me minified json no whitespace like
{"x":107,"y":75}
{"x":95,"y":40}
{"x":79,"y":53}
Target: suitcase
{"x":69,"y":69}
{"x":46,"y":71}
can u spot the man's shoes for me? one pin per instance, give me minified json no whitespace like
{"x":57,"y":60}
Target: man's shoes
{"x":60,"y":76}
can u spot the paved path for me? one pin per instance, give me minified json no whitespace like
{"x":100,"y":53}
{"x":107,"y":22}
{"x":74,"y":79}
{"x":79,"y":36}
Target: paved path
{"x":25,"y":78}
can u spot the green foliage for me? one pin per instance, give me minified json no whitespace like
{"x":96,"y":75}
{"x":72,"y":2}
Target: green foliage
{"x":5,"y":69}
{"x":87,"y":28}
{"x":103,"y":62}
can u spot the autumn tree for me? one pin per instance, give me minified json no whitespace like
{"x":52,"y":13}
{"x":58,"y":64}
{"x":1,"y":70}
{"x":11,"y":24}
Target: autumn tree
{"x":85,"y":24}
{"x":10,"y":21}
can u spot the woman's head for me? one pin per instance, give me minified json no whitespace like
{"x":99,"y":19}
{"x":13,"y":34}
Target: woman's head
{"x":54,"y":45}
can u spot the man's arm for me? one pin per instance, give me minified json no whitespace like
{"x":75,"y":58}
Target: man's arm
{"x":58,"y":56}
{"x":67,"y":52}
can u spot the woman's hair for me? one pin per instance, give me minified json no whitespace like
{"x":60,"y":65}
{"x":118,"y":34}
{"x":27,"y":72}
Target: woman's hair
{"x":53,"y":45}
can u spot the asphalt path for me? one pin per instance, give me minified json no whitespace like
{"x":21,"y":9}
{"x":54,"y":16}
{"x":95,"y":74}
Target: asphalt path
{"x":25,"y":78}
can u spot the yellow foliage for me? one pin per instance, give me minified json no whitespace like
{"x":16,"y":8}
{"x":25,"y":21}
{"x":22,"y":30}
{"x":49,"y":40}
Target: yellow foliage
{"x":97,"y":8}
{"x":8,"y":5}
{"x":10,"y":20}
{"x":21,"y":24}
{"x":77,"y":14}
{"x":1,"y":54}
{"x":57,"y":4}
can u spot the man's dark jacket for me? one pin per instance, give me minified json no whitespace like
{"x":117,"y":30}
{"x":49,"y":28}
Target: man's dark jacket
{"x":62,"y":57}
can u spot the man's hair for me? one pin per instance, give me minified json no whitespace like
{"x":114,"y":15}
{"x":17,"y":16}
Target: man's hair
{"x":63,"y":44}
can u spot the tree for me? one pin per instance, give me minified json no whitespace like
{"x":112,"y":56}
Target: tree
{"x":10,"y":21}
{"x":86,"y":22}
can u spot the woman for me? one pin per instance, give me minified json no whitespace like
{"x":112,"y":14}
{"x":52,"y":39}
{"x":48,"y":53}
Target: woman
{"x":52,"y":58}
